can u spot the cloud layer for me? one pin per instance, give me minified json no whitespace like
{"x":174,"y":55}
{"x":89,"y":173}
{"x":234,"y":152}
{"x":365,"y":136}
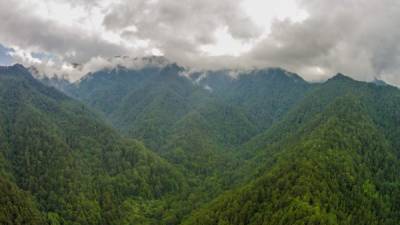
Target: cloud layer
{"x":355,"y":37}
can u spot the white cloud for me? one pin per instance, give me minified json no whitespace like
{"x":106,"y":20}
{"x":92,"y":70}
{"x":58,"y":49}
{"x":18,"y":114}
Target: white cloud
{"x":315,"y":38}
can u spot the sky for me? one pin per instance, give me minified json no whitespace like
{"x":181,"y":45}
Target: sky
{"x":314,"y":38}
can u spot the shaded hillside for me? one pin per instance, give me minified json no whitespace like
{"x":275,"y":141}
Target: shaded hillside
{"x":165,"y":107}
{"x":336,"y":168}
{"x":333,"y":159}
{"x":77,"y":168}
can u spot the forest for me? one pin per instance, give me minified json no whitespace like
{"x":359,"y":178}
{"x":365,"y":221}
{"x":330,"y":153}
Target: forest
{"x":152,"y":147}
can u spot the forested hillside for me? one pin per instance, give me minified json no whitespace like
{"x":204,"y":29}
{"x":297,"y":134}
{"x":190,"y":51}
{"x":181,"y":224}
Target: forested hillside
{"x":149,"y":102}
{"x":330,"y":161}
{"x":193,"y":120}
{"x":199,"y":112}
{"x":162,"y":146}
{"x":61,"y":164}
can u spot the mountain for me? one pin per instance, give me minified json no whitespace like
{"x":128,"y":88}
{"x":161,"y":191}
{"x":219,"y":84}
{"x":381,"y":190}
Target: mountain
{"x":153,"y":104}
{"x":60,"y":83}
{"x":62,"y":164}
{"x":209,"y":147}
{"x":128,"y":97}
{"x":194,"y":123}
{"x":334,"y":161}
{"x":265,"y":95}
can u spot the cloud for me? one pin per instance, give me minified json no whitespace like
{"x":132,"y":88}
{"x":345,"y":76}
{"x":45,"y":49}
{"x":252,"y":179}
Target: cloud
{"x":179,"y":28}
{"x":5,"y":57}
{"x":74,"y":72}
{"x":355,"y":37}
{"x":77,"y":31}
{"x":20,"y":28}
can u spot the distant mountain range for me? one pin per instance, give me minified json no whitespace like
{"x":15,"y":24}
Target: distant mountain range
{"x":158,"y":144}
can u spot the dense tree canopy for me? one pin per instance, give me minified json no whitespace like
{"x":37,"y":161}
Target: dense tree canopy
{"x":163,"y":148}
{"x":77,"y":168}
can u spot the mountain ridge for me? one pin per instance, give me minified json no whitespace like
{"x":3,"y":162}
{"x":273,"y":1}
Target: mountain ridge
{"x":158,"y":146}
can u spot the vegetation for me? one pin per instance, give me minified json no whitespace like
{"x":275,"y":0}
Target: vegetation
{"x":77,"y":168}
{"x":264,"y":147}
{"x":339,"y":172}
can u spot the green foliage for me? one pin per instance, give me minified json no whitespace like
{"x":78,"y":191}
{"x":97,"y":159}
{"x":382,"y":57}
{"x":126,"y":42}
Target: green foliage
{"x":153,"y":104}
{"x":193,"y":127}
{"x":261,"y":148}
{"x":333,"y":164}
{"x":78,"y":170}
{"x":16,"y":206}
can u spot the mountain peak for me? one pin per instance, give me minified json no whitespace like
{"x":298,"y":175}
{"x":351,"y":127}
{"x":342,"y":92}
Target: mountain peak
{"x":340,"y":77}
{"x":16,"y":69}
{"x":279,"y":72}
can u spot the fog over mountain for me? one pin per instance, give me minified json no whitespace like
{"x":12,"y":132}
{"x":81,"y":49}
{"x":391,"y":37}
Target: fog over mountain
{"x":314,"y":38}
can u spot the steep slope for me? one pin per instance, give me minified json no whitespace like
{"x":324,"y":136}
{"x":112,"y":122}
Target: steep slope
{"x":141,"y":103}
{"x":308,"y":154}
{"x":150,"y":111}
{"x":104,"y":90}
{"x":60,"y":83}
{"x":337,"y":168}
{"x":192,"y":121}
{"x":264,"y":95}
{"x":382,"y":104}
{"x":77,"y":168}
{"x":153,"y":104}
{"x":16,"y":206}
{"x":347,"y":110}
{"x":147,"y":103}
